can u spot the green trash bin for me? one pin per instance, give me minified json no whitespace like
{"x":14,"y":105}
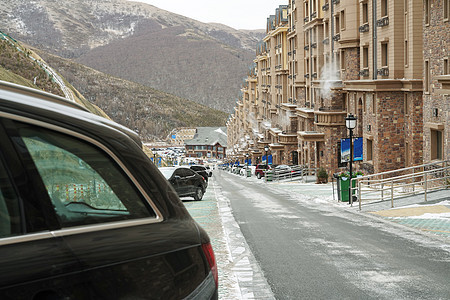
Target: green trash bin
{"x":269,"y":175}
{"x":343,"y":186}
{"x":249,"y":172}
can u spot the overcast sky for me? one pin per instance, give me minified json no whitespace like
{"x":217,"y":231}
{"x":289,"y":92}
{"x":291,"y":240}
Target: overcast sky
{"x":239,"y":14}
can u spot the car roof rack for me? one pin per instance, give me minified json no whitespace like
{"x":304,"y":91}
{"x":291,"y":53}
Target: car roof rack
{"x":28,"y":91}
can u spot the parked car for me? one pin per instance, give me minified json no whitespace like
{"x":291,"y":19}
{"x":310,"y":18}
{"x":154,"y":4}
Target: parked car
{"x":236,"y":169}
{"x":245,"y":169}
{"x":201,"y":170}
{"x":261,"y":169}
{"x":285,"y":171}
{"x":208,"y":169}
{"x":186,"y":182}
{"x":85,"y":214}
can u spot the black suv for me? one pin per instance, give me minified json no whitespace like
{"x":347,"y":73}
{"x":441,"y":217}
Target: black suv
{"x":201,"y":170}
{"x":186,"y":182}
{"x":84,"y":214}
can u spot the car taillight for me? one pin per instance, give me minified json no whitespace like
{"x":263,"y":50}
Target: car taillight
{"x":209,"y":253}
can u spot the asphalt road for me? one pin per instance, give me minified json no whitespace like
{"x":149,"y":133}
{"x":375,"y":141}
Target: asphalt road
{"x":308,"y":251}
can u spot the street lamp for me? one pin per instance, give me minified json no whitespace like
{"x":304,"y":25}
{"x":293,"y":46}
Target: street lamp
{"x":266,"y":148}
{"x":246,"y":165}
{"x":350,"y":123}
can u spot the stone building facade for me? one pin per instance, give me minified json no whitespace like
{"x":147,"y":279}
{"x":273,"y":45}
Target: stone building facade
{"x":386,"y":62}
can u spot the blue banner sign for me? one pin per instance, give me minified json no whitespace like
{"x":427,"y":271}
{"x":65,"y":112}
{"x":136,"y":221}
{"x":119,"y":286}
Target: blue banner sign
{"x":357,"y":149}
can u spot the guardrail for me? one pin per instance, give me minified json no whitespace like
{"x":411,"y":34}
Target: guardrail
{"x":388,"y":186}
{"x":299,"y":173}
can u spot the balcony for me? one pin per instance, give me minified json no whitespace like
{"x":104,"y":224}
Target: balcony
{"x":384,"y":21}
{"x":306,"y":19}
{"x":306,"y":47}
{"x":326,"y":7}
{"x":314,"y":75}
{"x":336,"y":2}
{"x":288,"y":138}
{"x":306,"y":75}
{"x":364,"y":28}
{"x":337,"y":37}
{"x":326,"y":41}
{"x":314,"y":15}
{"x":314,"y":45}
{"x":330,"y":117}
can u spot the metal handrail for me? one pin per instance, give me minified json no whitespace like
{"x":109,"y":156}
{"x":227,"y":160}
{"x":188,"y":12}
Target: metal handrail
{"x":414,"y":183}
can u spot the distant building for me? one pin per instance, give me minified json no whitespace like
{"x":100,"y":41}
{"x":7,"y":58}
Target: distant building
{"x":179,"y":135}
{"x":207,"y":143}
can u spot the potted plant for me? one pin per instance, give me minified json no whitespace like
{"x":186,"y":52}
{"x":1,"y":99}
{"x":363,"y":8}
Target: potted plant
{"x":322,"y":176}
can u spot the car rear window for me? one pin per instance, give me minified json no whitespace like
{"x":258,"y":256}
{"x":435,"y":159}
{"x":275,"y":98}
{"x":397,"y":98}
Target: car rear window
{"x":85,"y":184}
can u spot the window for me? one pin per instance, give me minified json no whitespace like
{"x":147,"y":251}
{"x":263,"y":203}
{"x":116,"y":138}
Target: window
{"x":327,"y":29}
{"x":406,"y":53}
{"x":446,"y":9}
{"x":445,"y":65}
{"x":369,"y":149}
{"x":337,"y":23}
{"x":342,"y":59}
{"x":365,"y":57}
{"x":384,"y":8}
{"x":9,"y":207}
{"x":84,"y":184}
{"x":406,"y":104}
{"x":436,"y":144}
{"x":342,"y":20}
{"x":384,"y":54}
{"x":365,"y":13}
{"x":426,"y":12}
{"x":427,"y":77}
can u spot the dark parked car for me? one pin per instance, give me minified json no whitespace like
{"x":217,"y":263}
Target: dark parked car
{"x":261,"y":169}
{"x":84,"y":214}
{"x":201,"y":170}
{"x":186,"y":182}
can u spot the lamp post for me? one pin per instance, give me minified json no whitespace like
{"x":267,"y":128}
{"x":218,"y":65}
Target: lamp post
{"x":350,"y":123}
{"x":246,"y":165}
{"x":266,"y":148}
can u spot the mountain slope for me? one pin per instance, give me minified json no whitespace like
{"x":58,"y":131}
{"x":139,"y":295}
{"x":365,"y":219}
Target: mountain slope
{"x":153,"y":114}
{"x":136,"y":41}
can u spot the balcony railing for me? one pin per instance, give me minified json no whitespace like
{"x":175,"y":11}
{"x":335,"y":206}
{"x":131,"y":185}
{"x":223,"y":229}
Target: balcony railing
{"x":306,"y":19}
{"x":314,"y":45}
{"x":364,"y":28}
{"x":326,"y":7}
{"x":306,"y":47}
{"x":326,"y":41}
{"x":314,"y":15}
{"x":383,"y":72}
{"x":364,"y":73}
{"x":384,"y":21}
{"x":336,"y":1}
{"x":337,"y":37}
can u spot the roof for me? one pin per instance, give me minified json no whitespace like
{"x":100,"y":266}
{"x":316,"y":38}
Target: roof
{"x":209,"y":136}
